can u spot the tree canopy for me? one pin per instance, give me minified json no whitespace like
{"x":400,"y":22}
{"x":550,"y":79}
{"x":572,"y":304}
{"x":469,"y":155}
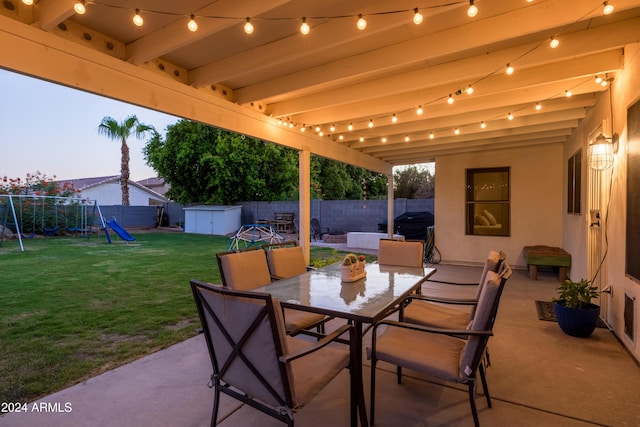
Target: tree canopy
{"x":413,"y":182}
{"x":209,"y":165}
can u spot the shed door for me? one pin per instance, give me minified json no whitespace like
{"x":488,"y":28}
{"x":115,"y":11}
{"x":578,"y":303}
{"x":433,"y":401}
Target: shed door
{"x":204,"y":222}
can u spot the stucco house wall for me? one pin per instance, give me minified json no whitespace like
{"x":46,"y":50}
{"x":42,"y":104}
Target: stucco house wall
{"x":611,"y":107}
{"x":535,"y":195}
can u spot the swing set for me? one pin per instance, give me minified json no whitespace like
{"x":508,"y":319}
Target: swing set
{"x":30,"y":215}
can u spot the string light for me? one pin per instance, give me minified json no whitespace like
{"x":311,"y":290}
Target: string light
{"x":304,"y":27}
{"x":510,"y":69}
{"x":137,"y":19}
{"x":318,"y":129}
{"x":450,"y":100}
{"x":419,"y":110}
{"x":370,"y":123}
{"x":332,"y":128}
{"x":340,"y":137}
{"x":192,"y":25}
{"x":394,"y":119}
{"x":350,"y":127}
{"x":554,"y":43}
{"x":248,"y":26}
{"x":510,"y":116}
{"x":608,"y":8}
{"x":303,"y":128}
{"x":431,"y":135}
{"x":598,"y":79}
{"x":473,"y":10}
{"x":538,"y":106}
{"x":406,"y":138}
{"x":362,"y":23}
{"x":79,"y":7}
{"x":469,"y":90}
{"x":321,"y":133}
{"x":568,"y":93}
{"x":417,"y":17}
{"x":384,"y":139}
{"x":27,"y":2}
{"x":457,"y":131}
{"x":483,"y":124}
{"x":361,"y":138}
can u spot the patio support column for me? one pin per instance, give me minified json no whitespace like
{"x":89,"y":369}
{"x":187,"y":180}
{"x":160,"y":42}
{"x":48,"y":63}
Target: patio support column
{"x":304,"y":207}
{"x":390,"y":205}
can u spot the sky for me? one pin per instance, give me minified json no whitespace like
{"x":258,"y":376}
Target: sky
{"x":53,"y":129}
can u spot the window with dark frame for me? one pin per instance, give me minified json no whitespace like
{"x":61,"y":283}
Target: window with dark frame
{"x":488,"y":202}
{"x":574,"y":183}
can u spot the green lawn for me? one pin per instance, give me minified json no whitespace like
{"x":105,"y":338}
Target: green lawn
{"x":71,"y":308}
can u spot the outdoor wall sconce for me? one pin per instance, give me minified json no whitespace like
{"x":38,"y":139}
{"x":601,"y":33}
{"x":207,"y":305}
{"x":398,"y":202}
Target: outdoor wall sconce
{"x":601,"y":152}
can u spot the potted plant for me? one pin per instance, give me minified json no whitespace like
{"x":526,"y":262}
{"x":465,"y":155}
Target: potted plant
{"x":576,"y":314}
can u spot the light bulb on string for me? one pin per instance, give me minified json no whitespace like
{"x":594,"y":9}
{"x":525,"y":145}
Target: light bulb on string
{"x":248,"y":26}
{"x":350,"y":127}
{"x":510,"y":116}
{"x":598,"y":79}
{"x":417,"y":17}
{"x":456,"y":131}
{"x":318,"y":129}
{"x":509,"y":69}
{"x":419,"y":110}
{"x":361,"y":139}
{"x":362,"y":23}
{"x":473,"y":10}
{"x":304,"y":27}
{"x":332,"y":128}
{"x":192,"y":25}
{"x":137,"y":19}
{"x":607,"y":8}
{"x":483,"y":124}
{"x":384,"y":139}
{"x":79,"y":7}
{"x":450,"y":100}
{"x":406,"y":138}
{"x":394,"y":119}
{"x":469,"y":90}
{"x":370,"y":123}
{"x":568,"y":93}
{"x":554,"y":43}
{"x":538,"y":106}
{"x":431,"y":135}
{"x":27,"y":2}
{"x":303,"y":128}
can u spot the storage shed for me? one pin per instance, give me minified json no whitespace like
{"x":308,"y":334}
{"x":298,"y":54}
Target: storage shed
{"x":220,"y":220}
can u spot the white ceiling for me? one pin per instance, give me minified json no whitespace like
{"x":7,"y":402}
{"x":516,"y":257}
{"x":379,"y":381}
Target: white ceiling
{"x":338,"y":75}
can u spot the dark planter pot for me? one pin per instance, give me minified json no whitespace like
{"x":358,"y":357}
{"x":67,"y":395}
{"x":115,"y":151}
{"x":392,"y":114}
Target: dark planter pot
{"x":577,"y":322}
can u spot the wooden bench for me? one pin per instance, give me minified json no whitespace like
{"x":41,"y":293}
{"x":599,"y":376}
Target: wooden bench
{"x":548,"y":256}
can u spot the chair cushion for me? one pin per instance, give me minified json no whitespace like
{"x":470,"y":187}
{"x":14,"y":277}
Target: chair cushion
{"x":296,"y":320}
{"x":286,"y":262}
{"x":246,"y":270}
{"x":404,"y":253}
{"x":431,"y":354}
{"x":314,"y":371}
{"x":439,"y":315}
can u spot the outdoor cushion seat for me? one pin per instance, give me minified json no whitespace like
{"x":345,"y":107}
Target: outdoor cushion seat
{"x":448,"y":312}
{"x":248,"y":270}
{"x":407,"y":253}
{"x":252,"y":358}
{"x":442,"y":353}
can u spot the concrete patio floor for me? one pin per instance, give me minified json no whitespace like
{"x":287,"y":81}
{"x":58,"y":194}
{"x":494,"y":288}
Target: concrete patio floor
{"x":539,"y":377}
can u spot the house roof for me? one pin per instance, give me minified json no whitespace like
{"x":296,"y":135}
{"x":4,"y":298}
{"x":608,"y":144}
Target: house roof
{"x":82,"y":184}
{"x":275,"y":82}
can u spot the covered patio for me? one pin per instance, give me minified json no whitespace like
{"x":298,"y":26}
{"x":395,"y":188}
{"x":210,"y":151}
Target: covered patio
{"x":523,"y":86}
{"x":539,"y":376}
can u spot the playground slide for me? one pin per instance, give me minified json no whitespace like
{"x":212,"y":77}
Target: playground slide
{"x":124,"y":235}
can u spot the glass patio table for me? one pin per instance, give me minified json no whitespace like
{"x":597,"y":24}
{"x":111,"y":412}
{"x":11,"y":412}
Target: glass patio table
{"x":364,"y":301}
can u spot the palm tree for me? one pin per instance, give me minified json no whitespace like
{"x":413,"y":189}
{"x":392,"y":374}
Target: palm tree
{"x":114,"y":130}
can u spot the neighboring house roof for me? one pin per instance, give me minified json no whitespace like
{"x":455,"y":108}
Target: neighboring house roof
{"x":82,"y":184}
{"x":156,"y":184}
